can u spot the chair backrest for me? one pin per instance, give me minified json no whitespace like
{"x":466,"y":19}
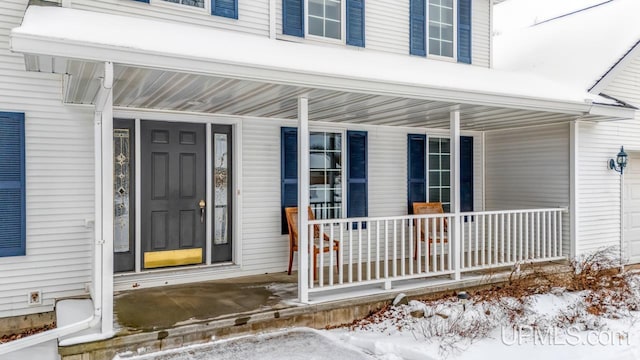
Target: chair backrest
{"x":292,"y":223}
{"x":430,"y":208}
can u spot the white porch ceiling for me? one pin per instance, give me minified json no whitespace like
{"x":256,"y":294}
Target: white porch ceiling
{"x":145,"y":88}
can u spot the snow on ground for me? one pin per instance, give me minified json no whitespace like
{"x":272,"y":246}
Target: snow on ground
{"x":599,"y":322}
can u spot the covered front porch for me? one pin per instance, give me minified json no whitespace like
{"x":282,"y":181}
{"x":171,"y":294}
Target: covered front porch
{"x":382,"y":247}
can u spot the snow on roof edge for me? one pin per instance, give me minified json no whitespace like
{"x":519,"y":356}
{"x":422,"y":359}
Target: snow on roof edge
{"x":151,"y":35}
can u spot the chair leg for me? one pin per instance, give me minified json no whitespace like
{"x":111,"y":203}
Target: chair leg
{"x":415,"y":249}
{"x":315,"y":271}
{"x":338,"y":260}
{"x":290,"y":260}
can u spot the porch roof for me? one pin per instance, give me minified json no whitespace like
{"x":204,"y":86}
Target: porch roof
{"x":222,"y":72}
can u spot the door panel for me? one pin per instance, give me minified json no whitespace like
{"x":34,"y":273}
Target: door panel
{"x":173,"y":183}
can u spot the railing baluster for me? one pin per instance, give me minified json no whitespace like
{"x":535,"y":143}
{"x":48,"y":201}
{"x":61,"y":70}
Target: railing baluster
{"x":342,"y":250}
{"x":402,"y":251}
{"x":555,"y":234}
{"x":475,"y":253}
{"x":331,"y":263}
{"x":442,"y":220}
{"x":378,"y":250}
{"x":560,"y":234}
{"x":449,"y":246}
{"x":360,"y":251}
{"x":484,"y":240}
{"x":490,"y":238}
{"x":543,"y":235}
{"x":508,"y":226}
{"x":321,"y":256}
{"x":395,"y":248}
{"x":434,"y":244}
{"x":520,"y":237}
{"x":368,"y":250}
{"x":350,"y":269}
{"x":418,"y":254}
{"x":538,"y":234}
{"x":386,"y":249}
{"x":502,"y":239}
{"x":311,"y":255}
{"x":412,"y":239}
{"x":496,"y":239}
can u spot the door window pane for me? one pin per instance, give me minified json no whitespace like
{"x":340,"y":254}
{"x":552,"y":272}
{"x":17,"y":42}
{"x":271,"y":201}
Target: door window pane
{"x":121,"y":194}
{"x":220,"y":183}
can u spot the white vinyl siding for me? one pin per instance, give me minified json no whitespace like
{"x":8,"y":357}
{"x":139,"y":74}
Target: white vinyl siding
{"x":599,"y":187}
{"x":387,"y":27}
{"x":253,"y":16}
{"x":59,"y":183}
{"x":529,"y":168}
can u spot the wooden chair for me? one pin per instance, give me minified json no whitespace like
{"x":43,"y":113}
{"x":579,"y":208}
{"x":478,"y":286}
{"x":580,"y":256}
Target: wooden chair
{"x":428,"y":208}
{"x":292,"y":221}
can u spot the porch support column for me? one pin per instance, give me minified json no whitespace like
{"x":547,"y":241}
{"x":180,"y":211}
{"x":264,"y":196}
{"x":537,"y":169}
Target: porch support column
{"x":303,"y":199}
{"x":103,"y":260}
{"x":454,"y":192}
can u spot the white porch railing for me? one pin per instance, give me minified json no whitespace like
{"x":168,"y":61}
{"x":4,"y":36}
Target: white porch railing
{"x":384,"y":250}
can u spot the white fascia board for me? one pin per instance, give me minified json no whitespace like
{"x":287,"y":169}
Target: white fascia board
{"x":614,"y":112}
{"x":615,"y":69}
{"x":40,"y":45}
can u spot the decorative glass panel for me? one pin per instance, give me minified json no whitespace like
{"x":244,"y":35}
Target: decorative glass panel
{"x":196,"y":3}
{"x":325,"y":18}
{"x":439,"y":179}
{"x":440,"y":28}
{"x":325,"y":161}
{"x":220,"y":184}
{"x":122,"y":181}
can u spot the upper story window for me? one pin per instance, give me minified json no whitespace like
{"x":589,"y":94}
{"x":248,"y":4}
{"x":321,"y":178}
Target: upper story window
{"x":441,"y":27}
{"x":196,"y":3}
{"x":325,"y":18}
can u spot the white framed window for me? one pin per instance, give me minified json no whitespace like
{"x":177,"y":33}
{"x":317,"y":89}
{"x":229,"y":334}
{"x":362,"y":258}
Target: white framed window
{"x":325,"y":19}
{"x":326,"y":174}
{"x":441,"y":28}
{"x":439,"y":181}
{"x":194,"y":3}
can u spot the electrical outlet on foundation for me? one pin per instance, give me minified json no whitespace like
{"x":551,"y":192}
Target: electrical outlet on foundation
{"x":34,"y":297}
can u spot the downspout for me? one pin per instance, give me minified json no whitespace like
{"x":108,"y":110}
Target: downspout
{"x":93,"y":320}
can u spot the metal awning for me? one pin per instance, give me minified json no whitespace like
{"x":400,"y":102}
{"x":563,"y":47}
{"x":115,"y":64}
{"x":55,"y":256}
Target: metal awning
{"x":178,"y":75}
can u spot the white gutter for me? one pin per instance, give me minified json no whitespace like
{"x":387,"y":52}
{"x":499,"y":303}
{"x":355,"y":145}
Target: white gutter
{"x":102,"y":105}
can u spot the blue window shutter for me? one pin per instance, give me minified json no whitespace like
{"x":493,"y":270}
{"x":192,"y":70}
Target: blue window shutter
{"x":464,"y":31}
{"x":143,"y":1}
{"x":226,"y":8}
{"x":416,"y":170}
{"x":355,"y":22}
{"x":357,"y":174}
{"x":12,"y":185}
{"x":417,"y":27}
{"x":466,"y":173}
{"x":288,"y":172}
{"x":293,"y":17}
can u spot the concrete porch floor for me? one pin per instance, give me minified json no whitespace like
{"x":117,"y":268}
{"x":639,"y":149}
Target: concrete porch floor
{"x":161,"y":308}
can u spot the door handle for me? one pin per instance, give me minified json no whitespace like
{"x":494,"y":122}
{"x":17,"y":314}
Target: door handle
{"x":202,"y":206}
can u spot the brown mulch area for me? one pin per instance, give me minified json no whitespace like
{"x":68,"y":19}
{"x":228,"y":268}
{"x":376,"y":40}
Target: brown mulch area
{"x":20,"y":335}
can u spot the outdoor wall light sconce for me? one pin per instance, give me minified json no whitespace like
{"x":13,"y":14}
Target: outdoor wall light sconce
{"x":620,"y":162}
{"x":463,"y":297}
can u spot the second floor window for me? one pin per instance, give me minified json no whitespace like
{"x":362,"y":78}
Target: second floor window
{"x":325,"y":18}
{"x":196,"y":3}
{"x":440,"y":29}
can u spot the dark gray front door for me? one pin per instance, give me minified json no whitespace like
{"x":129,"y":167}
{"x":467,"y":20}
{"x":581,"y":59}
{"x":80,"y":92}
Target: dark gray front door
{"x":173,"y":193}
